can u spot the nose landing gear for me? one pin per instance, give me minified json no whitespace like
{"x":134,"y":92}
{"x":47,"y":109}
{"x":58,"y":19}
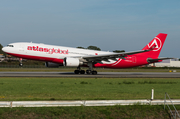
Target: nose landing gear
{"x":20,"y":62}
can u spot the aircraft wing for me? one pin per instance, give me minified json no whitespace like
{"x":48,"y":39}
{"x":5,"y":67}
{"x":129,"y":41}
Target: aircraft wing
{"x":156,"y":60}
{"x":111,"y":56}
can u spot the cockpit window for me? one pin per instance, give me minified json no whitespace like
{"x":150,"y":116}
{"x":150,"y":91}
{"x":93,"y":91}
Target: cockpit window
{"x":10,"y":46}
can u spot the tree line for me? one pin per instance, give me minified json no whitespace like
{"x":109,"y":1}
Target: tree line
{"x":1,"y":52}
{"x":97,"y":48}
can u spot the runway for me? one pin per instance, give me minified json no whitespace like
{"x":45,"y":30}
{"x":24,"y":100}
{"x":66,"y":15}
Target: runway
{"x":99,"y":75}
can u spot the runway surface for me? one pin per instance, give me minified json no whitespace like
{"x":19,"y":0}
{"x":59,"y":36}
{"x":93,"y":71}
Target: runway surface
{"x":99,"y":75}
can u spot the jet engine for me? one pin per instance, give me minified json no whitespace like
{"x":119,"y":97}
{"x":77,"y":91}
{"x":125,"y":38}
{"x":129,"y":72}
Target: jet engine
{"x":52,"y":65}
{"x":72,"y":62}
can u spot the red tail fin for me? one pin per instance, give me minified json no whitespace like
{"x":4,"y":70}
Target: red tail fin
{"x":155,"y":45}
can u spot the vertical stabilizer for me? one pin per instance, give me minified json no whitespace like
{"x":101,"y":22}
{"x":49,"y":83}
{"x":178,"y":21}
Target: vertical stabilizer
{"x":155,"y":45}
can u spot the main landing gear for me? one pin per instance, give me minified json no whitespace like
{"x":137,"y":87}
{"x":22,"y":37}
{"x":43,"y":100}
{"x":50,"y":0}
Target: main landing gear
{"x":79,"y":71}
{"x":94,"y":72}
{"x":89,"y":71}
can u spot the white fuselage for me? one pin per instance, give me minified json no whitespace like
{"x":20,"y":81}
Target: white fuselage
{"x":25,"y":50}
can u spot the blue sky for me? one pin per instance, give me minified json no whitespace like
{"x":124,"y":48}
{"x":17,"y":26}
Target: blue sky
{"x":109,"y":24}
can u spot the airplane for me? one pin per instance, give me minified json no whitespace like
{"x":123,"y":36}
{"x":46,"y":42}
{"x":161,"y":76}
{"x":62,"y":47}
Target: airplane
{"x":55,"y":56}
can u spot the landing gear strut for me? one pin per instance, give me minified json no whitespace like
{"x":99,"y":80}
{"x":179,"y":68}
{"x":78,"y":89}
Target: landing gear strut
{"x":20,"y":62}
{"x":91,"y":71}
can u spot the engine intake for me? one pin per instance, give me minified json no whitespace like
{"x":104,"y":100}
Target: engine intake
{"x":71,"y":62}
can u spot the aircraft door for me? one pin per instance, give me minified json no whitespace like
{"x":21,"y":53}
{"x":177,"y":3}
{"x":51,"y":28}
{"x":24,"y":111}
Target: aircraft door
{"x":21,"y":48}
{"x":133,"y":59}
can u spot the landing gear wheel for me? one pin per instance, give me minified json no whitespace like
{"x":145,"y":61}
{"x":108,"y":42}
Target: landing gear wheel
{"x":76,"y":71}
{"x":82,"y":72}
{"x":88,"y":71}
{"x":94,"y":72}
{"x":20,"y":64}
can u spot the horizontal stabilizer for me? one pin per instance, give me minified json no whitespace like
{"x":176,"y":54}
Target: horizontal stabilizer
{"x":158,"y":59}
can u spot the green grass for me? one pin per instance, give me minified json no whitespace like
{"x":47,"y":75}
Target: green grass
{"x":111,"y":112}
{"x":87,"y":88}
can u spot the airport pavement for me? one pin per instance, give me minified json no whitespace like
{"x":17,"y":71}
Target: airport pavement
{"x":99,"y":75}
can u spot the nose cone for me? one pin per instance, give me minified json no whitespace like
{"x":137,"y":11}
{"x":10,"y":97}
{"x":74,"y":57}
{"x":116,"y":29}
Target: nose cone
{"x":4,"y":49}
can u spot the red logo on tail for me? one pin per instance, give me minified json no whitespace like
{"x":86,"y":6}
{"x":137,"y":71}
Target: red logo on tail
{"x":155,"y":44}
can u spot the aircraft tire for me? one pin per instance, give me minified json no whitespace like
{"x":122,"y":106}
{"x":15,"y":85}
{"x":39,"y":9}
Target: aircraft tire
{"x":94,"y":72}
{"x":76,"y":71}
{"x":20,"y":64}
{"x":82,"y":72}
{"x":88,"y":71}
